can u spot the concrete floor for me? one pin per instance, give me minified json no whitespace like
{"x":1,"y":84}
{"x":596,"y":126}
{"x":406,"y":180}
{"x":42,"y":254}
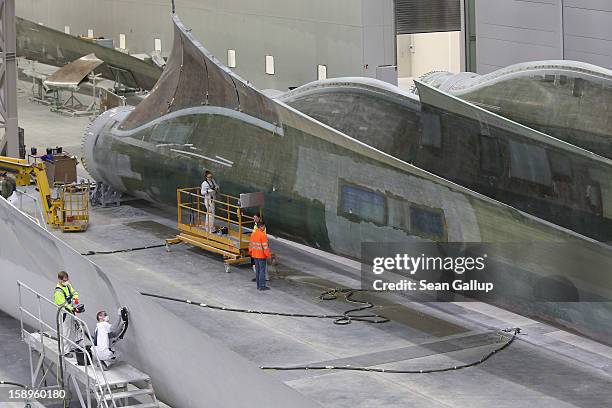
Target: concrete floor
{"x":546,"y":367}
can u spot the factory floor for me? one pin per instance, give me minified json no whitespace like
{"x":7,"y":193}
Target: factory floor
{"x":544,"y":367}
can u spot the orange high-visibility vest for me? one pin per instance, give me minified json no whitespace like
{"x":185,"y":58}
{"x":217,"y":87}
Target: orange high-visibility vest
{"x":258,"y":247}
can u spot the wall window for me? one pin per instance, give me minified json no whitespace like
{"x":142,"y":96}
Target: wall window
{"x":157,"y":44}
{"x":363,"y":204}
{"x":321,"y":72}
{"x":90,"y":32}
{"x":270,"y":64}
{"x":67,"y":29}
{"x":231,"y":58}
{"x":427,"y":222}
{"x":122,"y":41}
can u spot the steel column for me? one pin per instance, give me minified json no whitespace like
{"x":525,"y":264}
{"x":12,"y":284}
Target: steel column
{"x":9,"y":143}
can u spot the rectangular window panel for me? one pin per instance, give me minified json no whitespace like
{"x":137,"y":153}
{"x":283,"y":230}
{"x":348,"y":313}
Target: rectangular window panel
{"x":491,"y":161}
{"x":231,"y":58}
{"x":269,"y":64}
{"x":172,"y":133}
{"x":158,"y":44}
{"x":530,"y":163}
{"x":560,"y":166}
{"x":321,"y":72}
{"x":67,"y":29}
{"x":427,"y":16}
{"x":426,"y":222}
{"x":90,"y":32}
{"x":432,"y":130}
{"x":364,"y":204}
{"x":122,"y":41}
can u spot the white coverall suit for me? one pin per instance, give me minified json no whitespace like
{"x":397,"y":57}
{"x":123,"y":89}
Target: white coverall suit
{"x":104,"y":336}
{"x":209,"y":191}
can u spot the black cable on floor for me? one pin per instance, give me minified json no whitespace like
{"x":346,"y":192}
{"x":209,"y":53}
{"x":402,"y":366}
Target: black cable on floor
{"x":89,"y":253}
{"x":12,"y":383}
{"x":343,"y":319}
{"x":514,"y":331}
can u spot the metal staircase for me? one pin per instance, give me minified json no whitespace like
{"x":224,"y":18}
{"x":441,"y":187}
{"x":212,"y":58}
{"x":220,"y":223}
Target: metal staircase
{"x":90,"y":384}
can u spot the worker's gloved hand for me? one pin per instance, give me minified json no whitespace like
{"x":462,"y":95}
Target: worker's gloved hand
{"x":79,"y":308}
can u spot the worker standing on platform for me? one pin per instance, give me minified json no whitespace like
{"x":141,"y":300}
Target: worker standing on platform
{"x":260,"y":252}
{"x":210,"y":188}
{"x":105,"y":335}
{"x":65,"y":296}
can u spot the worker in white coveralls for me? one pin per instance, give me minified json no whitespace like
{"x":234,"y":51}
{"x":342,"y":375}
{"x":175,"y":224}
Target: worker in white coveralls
{"x":210,"y":188}
{"x":105,"y":336}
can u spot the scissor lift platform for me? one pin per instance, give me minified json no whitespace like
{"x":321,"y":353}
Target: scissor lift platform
{"x":233,"y":226}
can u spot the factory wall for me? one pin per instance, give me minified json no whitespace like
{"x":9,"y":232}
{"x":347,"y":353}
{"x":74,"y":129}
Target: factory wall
{"x":513,"y":31}
{"x":350,"y":37}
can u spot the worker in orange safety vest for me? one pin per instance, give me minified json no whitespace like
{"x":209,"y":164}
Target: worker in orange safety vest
{"x":260,"y":252}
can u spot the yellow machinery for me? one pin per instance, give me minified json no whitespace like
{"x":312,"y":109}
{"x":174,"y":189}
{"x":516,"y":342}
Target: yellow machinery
{"x":232,"y":240}
{"x":69,"y":211}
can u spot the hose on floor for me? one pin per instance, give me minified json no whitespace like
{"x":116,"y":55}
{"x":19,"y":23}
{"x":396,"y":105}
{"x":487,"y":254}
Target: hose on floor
{"x":347,"y":318}
{"x":116,"y":251}
{"x":515,"y":332}
{"x":343,"y":319}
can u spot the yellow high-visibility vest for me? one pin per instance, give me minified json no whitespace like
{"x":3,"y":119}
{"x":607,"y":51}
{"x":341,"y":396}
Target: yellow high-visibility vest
{"x":65,"y":294}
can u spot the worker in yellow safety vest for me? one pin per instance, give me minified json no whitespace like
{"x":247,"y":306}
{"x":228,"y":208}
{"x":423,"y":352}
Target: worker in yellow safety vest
{"x":65,"y":296}
{"x":260,"y":252}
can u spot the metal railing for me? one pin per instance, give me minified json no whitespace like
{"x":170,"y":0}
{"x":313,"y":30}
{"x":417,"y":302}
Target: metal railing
{"x":75,"y":206}
{"x":101,"y":387}
{"x":32,"y":214}
{"x":192,"y":205}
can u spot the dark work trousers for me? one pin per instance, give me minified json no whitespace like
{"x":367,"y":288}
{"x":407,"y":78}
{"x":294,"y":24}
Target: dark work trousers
{"x":260,"y":274}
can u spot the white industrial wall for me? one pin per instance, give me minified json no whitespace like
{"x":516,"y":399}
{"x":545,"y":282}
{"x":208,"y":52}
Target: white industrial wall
{"x":351,"y":37}
{"x":588,"y":31}
{"x":418,"y":54}
{"x":513,"y":31}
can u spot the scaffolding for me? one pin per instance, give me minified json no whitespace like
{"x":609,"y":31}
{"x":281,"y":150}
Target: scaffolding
{"x":230,"y":235}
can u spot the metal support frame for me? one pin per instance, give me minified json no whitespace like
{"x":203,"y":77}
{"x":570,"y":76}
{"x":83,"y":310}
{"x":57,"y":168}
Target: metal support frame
{"x":102,"y":194}
{"x":72,"y":106}
{"x":99,"y":390}
{"x":9,"y":143}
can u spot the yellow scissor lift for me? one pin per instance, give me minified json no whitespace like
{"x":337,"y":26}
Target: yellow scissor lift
{"x":74,"y":207}
{"x":69,"y":211}
{"x":233,"y":244}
